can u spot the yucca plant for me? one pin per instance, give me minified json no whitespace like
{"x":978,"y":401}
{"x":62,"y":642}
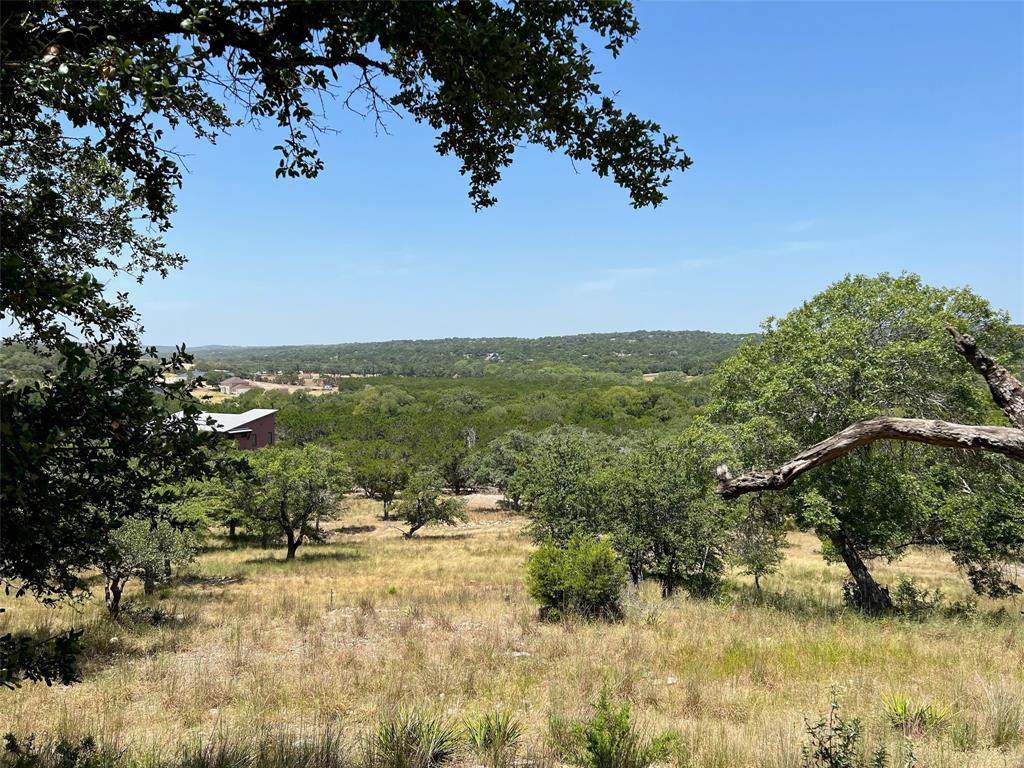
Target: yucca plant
{"x":914,"y":719}
{"x":494,"y":738}
{"x":412,"y":739}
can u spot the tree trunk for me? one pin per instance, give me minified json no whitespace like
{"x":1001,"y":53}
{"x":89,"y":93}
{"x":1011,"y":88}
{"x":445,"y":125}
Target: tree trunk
{"x":293,"y":544}
{"x":387,"y":509}
{"x":112,"y":591}
{"x":636,"y":574}
{"x":231,"y":529}
{"x":148,"y":583}
{"x":874,"y":597}
{"x":167,"y":570}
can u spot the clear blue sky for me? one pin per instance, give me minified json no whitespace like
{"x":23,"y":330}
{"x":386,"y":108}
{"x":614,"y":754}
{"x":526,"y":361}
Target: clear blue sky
{"x":827,"y":138}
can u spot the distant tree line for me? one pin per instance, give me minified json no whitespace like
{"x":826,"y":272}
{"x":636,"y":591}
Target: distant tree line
{"x":691,"y":352}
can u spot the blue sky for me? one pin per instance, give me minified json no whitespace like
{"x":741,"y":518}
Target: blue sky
{"x":827,"y":138}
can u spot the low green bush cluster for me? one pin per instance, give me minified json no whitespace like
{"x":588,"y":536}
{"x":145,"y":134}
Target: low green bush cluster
{"x":584,"y":578}
{"x":609,"y":739}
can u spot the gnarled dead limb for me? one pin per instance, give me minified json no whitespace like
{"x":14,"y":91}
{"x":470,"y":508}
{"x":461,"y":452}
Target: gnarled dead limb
{"x":1008,"y":441}
{"x":1007,"y":392}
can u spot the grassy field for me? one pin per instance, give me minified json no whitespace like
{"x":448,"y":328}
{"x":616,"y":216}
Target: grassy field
{"x":370,"y":624}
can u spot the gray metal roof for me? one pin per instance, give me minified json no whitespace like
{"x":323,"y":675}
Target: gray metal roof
{"x":229,"y":422}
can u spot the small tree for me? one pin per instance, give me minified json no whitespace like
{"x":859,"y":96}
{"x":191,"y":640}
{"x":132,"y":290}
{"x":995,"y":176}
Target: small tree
{"x":295,"y":488}
{"x":665,"y":518}
{"x":500,"y":461}
{"x":560,"y":487}
{"x":758,"y":540}
{"x":422,"y":504}
{"x":383,"y":479}
{"x":140,"y":548}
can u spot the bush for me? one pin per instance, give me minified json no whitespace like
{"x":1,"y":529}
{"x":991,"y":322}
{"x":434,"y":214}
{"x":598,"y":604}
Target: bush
{"x":914,"y":601}
{"x":835,"y":741}
{"x":61,"y":753}
{"x":610,"y":740}
{"x":494,"y":738}
{"x":584,"y":578}
{"x":412,"y":740}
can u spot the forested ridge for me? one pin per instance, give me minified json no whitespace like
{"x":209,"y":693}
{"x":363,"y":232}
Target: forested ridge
{"x":691,"y":352}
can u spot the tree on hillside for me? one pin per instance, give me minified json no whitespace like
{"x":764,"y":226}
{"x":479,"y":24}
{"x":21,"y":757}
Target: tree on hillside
{"x":423,"y":504}
{"x":560,"y":487}
{"x":293,"y":490}
{"x":140,"y":548}
{"x":867,"y":352}
{"x":87,"y":183}
{"x":500,"y":461}
{"x":383,"y":479}
{"x":665,"y":520}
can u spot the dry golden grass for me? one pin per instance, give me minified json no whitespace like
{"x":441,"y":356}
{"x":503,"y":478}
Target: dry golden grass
{"x":370,"y":623}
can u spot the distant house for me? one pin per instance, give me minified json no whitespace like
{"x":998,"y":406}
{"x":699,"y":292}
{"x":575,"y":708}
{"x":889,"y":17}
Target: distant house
{"x":256,"y":428}
{"x":235,"y":386}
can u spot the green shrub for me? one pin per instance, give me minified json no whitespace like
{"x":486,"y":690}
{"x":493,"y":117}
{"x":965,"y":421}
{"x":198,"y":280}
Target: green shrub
{"x":835,"y":741}
{"x":494,"y":738}
{"x":609,"y":739}
{"x":60,"y":753}
{"x":914,"y":601}
{"x":412,"y":740}
{"x":584,"y":578}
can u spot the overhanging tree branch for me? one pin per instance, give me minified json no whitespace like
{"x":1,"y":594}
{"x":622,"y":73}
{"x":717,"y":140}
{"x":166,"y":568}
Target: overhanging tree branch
{"x":1007,"y":392}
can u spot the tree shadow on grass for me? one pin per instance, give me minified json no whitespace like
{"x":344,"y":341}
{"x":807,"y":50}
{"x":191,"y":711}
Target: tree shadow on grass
{"x":801,"y":605}
{"x":428,"y":537}
{"x":350,"y":530}
{"x":276,"y":559}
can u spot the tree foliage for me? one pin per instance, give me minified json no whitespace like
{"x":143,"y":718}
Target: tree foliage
{"x":878,"y":346}
{"x":423,"y":503}
{"x":665,"y":517}
{"x":292,"y":489}
{"x":691,"y":352}
{"x":144,"y":549}
{"x":584,"y":576}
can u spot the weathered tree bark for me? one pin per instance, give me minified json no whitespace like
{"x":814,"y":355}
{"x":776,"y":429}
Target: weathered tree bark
{"x":1008,"y":441}
{"x":113,"y":588}
{"x":1007,"y":392}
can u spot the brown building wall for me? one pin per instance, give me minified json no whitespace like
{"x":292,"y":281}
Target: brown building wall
{"x":263,"y":433}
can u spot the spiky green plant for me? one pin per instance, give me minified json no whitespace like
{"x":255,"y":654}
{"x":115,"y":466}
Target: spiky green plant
{"x":494,"y":738}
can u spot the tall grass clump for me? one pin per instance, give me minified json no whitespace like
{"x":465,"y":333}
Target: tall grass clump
{"x":583,"y":578}
{"x":412,"y":739}
{"x":322,"y":746}
{"x":609,"y":739}
{"x":1005,"y":716}
{"x":494,"y":738}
